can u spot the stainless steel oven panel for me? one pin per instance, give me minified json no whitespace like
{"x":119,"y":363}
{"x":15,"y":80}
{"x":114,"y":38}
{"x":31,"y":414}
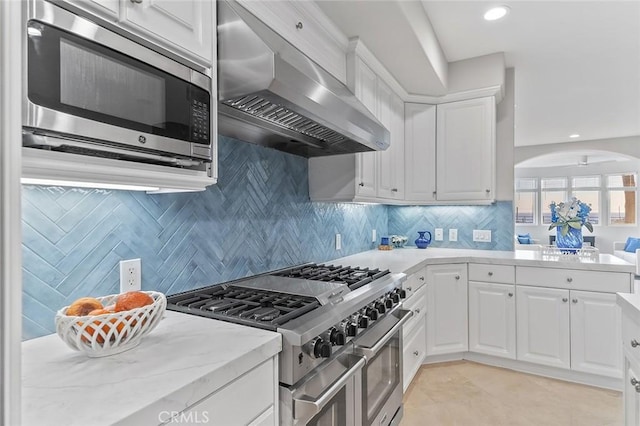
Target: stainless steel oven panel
{"x":331,"y":392}
{"x":371,"y":342}
{"x":48,"y":120}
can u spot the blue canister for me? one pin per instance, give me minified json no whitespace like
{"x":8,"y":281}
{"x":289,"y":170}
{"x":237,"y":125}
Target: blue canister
{"x":384,"y":241}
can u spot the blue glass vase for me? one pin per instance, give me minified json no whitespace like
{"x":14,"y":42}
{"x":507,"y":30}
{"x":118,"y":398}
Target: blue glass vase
{"x":571,"y":242}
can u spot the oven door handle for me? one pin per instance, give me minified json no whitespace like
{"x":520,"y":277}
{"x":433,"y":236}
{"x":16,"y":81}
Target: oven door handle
{"x":311,"y":407}
{"x":369,"y":353}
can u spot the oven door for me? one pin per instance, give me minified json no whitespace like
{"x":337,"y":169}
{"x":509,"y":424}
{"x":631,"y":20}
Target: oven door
{"x":382,"y":375}
{"x":329,"y":396}
{"x":86,"y":83}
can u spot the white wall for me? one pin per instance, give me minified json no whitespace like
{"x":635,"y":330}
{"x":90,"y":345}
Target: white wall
{"x":505,"y":134}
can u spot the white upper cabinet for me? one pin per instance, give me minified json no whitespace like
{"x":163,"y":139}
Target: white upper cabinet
{"x":365,"y":88}
{"x":185,"y":24}
{"x":420,"y":152}
{"x":185,"y":27}
{"x":391,"y":162}
{"x":466,"y":150}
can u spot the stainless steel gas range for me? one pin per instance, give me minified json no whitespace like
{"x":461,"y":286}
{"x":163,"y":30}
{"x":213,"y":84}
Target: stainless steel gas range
{"x":341,"y":361}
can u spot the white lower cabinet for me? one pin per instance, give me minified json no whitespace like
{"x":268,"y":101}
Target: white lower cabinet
{"x":223,"y":407}
{"x":631,"y":394}
{"x":572,"y":329}
{"x":543,"y":326}
{"x":447,"y":312}
{"x":492,"y":319}
{"x":413,"y":333}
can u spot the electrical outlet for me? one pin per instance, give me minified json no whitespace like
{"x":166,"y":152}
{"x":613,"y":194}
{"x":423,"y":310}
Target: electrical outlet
{"x":374,"y":238}
{"x":453,"y":234}
{"x":439,"y":234}
{"x":482,"y":235}
{"x":130,"y":275}
{"x":338,"y":242}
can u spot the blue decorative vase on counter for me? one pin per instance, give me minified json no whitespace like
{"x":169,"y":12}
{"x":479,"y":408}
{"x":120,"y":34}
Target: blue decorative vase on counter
{"x":571,"y":242}
{"x":422,"y":242}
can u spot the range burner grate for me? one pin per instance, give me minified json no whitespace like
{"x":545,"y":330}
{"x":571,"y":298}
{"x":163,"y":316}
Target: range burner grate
{"x":254,"y":307}
{"x":353,"y":277}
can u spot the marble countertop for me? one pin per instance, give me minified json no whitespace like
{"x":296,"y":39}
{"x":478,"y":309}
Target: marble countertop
{"x":411,"y":259}
{"x":182,"y":361}
{"x":630,"y":304}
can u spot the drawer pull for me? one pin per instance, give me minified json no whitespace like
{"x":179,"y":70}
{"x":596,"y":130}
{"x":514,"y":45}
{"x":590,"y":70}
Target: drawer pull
{"x":361,"y":184}
{"x":421,"y":278}
{"x":510,"y":294}
{"x":490,"y":273}
{"x":416,"y":353}
{"x":417,"y":310}
{"x":636,"y":384}
{"x":409,"y":289}
{"x":299,"y":25}
{"x":574,"y":300}
{"x":634,"y":343}
{"x":569,"y":279}
{"x":565,"y":300}
{"x":457,"y":277}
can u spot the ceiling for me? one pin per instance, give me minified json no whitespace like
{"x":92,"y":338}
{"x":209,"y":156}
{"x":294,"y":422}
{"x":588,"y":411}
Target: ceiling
{"x":577,"y":63}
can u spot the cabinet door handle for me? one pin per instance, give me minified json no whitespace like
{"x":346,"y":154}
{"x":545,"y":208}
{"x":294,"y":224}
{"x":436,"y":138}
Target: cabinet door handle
{"x":416,"y":353}
{"x":569,"y":279}
{"x":490,"y":273}
{"x":434,"y":193}
{"x":409,"y":289}
{"x":635,"y":384}
{"x":565,"y":300}
{"x":394,"y":189}
{"x":361,"y":184}
{"x":417,"y":310}
{"x":299,"y":25}
{"x":136,"y":1}
{"x":574,"y":300}
{"x":421,"y":278}
{"x":634,"y":343}
{"x":487,"y":191}
{"x":457,"y":277}
{"x":510,"y":294}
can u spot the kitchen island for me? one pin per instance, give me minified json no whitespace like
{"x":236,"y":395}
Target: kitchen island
{"x":183,"y":364}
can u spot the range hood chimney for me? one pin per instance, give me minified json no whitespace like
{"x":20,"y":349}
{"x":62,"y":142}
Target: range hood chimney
{"x":270,"y":93}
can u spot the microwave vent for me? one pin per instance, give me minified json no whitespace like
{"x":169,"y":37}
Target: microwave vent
{"x":284,"y":117}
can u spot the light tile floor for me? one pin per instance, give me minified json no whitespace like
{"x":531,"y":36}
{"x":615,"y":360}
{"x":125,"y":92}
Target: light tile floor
{"x":469,"y":394}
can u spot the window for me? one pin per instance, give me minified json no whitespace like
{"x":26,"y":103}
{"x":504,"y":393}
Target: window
{"x":622,"y":199}
{"x":587,"y":189}
{"x":552,"y":190}
{"x":612,"y":198}
{"x":526,"y":201}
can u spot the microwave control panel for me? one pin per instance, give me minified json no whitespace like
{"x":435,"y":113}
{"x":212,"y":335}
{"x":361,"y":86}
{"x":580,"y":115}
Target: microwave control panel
{"x":200,"y":122}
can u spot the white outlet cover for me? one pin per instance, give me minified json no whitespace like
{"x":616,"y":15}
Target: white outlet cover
{"x":453,"y":234}
{"x":439,"y":234}
{"x":338,"y":242}
{"x":130,"y":275}
{"x":374,"y":237}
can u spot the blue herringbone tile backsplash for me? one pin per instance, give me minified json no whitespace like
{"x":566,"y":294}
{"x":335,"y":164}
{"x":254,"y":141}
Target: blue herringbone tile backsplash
{"x":257,"y":218}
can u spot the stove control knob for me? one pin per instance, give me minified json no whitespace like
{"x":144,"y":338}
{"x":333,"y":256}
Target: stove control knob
{"x":363,"y":321}
{"x":388,"y":302}
{"x":351,"y":329}
{"x":402,"y":293}
{"x":372,"y":314}
{"x":337,"y":337}
{"x":395,"y":297}
{"x":321,"y":349}
{"x":381,"y":307}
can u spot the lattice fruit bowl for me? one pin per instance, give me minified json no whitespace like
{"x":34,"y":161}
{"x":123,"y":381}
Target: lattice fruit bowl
{"x":109,"y":334}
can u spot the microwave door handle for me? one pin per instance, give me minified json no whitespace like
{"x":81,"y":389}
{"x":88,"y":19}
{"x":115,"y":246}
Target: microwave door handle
{"x":310,"y":407}
{"x":369,"y":353}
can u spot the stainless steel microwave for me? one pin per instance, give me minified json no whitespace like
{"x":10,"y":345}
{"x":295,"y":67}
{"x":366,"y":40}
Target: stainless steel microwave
{"x":91,"y":91}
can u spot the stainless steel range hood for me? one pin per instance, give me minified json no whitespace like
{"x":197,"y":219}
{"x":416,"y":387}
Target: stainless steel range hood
{"x":271,"y":94}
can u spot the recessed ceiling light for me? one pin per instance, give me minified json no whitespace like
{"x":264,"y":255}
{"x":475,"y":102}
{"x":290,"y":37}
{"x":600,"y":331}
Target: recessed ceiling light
{"x":496,"y":13}
{"x":575,"y":135}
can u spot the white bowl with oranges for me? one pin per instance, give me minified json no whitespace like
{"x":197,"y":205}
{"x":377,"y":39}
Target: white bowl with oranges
{"x":111,"y":324}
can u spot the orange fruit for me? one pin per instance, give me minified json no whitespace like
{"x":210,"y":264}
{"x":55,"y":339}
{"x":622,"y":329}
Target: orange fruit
{"x":83,"y":306}
{"x":132,"y":300}
{"x":106,"y":327}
